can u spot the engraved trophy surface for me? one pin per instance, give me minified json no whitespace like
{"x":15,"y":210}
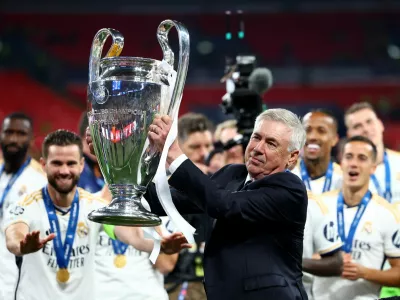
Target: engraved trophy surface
{"x":124,"y":95}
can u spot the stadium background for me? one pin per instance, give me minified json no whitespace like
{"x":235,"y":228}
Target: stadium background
{"x":322,"y":54}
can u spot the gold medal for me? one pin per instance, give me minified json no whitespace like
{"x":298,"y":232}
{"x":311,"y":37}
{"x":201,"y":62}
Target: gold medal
{"x":62,"y":275}
{"x":120,"y":261}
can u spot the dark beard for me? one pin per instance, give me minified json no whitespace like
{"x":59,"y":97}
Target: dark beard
{"x":14,"y":159}
{"x":66,"y":190}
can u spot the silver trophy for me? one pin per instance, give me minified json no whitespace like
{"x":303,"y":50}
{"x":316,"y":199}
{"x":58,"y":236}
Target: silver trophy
{"x":124,"y":95}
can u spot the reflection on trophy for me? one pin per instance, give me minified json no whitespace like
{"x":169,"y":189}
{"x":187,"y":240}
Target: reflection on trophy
{"x":124,"y":95}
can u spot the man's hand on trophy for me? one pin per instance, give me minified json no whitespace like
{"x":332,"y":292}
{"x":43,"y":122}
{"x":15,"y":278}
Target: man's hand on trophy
{"x":89,"y":141}
{"x":174,"y":243}
{"x":158,"y":132}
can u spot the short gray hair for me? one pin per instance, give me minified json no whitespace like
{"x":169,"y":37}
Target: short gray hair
{"x":293,"y":122}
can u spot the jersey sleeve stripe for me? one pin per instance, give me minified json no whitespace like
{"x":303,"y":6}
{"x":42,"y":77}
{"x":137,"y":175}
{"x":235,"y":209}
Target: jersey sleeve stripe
{"x":324,"y":209}
{"x":336,"y":246}
{"x":383,"y":202}
{"x":393,"y":255}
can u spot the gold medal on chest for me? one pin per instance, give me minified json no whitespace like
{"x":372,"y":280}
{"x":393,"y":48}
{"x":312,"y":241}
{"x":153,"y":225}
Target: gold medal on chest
{"x":62,"y":275}
{"x":120,"y":261}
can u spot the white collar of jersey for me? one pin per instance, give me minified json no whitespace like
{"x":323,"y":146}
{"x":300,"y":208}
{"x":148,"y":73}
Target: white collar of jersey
{"x":63,"y":210}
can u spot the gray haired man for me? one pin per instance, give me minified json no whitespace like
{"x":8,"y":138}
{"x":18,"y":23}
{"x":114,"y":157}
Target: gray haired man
{"x":255,"y":247}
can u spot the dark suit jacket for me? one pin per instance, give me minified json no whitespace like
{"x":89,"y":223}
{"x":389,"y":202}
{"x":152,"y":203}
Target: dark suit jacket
{"x":255,"y":248}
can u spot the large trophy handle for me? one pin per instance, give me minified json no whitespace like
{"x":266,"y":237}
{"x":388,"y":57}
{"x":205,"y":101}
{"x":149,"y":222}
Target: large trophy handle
{"x":97,"y":48}
{"x":183,"y":35}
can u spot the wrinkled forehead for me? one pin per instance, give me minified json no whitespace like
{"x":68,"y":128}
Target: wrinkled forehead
{"x":64,"y":153}
{"x":273,"y":129}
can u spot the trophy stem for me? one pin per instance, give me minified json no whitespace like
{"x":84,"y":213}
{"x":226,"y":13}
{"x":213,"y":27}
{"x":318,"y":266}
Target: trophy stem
{"x":125,"y":209}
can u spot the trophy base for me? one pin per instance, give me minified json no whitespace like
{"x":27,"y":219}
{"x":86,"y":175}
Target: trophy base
{"x":125,"y":213}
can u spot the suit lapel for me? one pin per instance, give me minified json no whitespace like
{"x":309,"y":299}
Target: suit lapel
{"x":236,"y":184}
{"x":237,"y":181}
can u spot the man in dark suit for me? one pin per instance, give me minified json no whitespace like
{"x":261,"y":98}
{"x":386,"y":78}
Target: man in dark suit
{"x":255,"y":247}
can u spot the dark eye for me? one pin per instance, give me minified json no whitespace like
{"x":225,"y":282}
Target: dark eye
{"x":21,"y":133}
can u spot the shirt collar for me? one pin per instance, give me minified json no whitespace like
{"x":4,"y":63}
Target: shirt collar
{"x":248,"y":178}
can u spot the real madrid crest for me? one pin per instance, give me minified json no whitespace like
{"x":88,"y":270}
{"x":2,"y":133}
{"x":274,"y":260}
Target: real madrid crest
{"x":367,"y":227}
{"x":82,"y":229}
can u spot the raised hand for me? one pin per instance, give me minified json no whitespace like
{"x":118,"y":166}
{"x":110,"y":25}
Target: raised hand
{"x":32,"y":242}
{"x":159,"y":130}
{"x":174,"y":243}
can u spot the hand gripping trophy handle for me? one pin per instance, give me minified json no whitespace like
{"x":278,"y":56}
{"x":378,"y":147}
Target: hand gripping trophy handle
{"x":124,"y":95}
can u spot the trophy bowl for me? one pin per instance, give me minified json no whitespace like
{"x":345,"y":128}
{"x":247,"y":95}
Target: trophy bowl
{"x":123,"y":97}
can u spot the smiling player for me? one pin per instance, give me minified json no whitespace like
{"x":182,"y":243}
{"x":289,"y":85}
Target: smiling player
{"x":316,"y":168}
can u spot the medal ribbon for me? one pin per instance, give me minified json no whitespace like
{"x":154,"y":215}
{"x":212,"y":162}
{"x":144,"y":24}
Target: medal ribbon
{"x":119,"y":247}
{"x":348,"y":241}
{"x":387,"y":194}
{"x":306,"y":178}
{"x":12,"y":180}
{"x":63,"y":251}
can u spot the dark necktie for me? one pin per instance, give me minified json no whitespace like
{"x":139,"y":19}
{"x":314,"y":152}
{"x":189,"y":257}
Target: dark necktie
{"x":246,"y":185}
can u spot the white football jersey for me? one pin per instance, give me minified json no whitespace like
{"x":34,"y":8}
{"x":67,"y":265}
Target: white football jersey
{"x":38,"y":270}
{"x":31,"y":179}
{"x":137,"y":280}
{"x":320,"y":234}
{"x":317,"y":184}
{"x":380,"y":173}
{"x":376,"y":236}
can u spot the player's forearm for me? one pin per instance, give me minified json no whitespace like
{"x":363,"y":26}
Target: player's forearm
{"x":166,"y":263}
{"x":389,"y":277}
{"x":326,"y":266}
{"x":134,"y":236}
{"x":13,"y":240}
